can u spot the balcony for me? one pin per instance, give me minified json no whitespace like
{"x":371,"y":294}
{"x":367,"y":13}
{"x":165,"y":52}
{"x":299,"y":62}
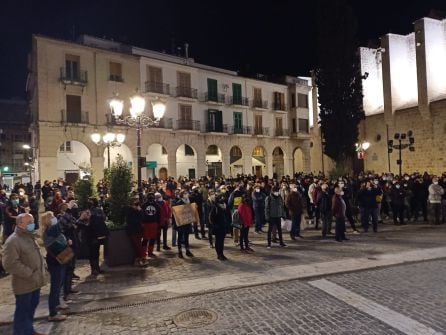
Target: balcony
{"x":216,"y":128}
{"x":257,"y":103}
{"x":264,"y":131}
{"x":217,"y":98}
{"x":281,"y":132}
{"x":156,"y":87}
{"x":188,"y":125}
{"x":240,"y":130}
{"x":278,"y":106}
{"x":71,"y":77}
{"x":186,"y":92}
{"x":74,"y":117}
{"x":166,"y":123}
{"x":238,"y":101}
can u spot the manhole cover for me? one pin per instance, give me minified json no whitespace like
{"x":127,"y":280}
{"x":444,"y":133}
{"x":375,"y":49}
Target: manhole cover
{"x":195,"y":318}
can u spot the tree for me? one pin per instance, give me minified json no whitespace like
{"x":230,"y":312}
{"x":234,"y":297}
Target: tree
{"x":119,"y":182}
{"x":84,"y":189}
{"x":339,"y":80}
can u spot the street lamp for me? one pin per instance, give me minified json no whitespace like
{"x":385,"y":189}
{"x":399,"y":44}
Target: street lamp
{"x":31,"y":159}
{"x":137,"y":119}
{"x":400,"y":137}
{"x":109,"y":139}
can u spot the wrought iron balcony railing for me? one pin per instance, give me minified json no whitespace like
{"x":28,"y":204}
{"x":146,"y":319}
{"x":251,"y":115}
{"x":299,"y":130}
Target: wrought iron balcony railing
{"x":188,"y":125}
{"x":156,"y":87}
{"x":186,"y":92}
{"x":68,"y":76}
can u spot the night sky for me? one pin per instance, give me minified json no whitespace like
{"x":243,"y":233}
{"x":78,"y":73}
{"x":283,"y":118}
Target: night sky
{"x":268,"y":36}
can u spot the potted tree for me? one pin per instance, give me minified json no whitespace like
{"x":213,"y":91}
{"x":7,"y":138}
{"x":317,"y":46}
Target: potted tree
{"x":118,"y":249}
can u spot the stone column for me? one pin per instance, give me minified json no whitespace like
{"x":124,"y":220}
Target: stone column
{"x":172,"y":163}
{"x":201,"y":162}
{"x":97,"y":165}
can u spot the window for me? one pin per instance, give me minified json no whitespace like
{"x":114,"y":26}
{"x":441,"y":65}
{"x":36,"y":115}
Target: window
{"x":258,"y":152}
{"x":236,"y":152}
{"x":293,"y":100}
{"x":74,"y":113}
{"x":238,"y":121}
{"x":212,"y":150}
{"x":155,"y":79}
{"x":257,"y":97}
{"x":279,"y":123}
{"x":215,"y":120}
{"x":65,"y":147}
{"x":163,"y":151}
{"x":115,"y":71}
{"x":303,"y":125}
{"x":212,"y":90}
{"x":236,"y":94}
{"x":188,"y":151}
{"x":258,"y":124}
{"x":185,"y":112}
{"x":294,"y":126}
{"x":302,"y":100}
{"x":279,"y":101}
{"x":72,"y":70}
{"x":183,"y":79}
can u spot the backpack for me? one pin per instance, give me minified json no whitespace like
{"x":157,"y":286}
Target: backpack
{"x":236,"y":221}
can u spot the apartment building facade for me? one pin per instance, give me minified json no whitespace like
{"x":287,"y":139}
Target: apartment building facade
{"x":216,"y":122}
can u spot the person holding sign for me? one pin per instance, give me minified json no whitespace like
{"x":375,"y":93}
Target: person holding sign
{"x":185,"y":214}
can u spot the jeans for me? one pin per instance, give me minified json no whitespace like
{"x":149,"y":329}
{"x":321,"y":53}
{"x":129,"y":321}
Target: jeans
{"x":295,"y":224}
{"x":275,"y":222}
{"x":25,"y":307}
{"x":340,"y":228}
{"x":259,"y":218}
{"x":219,"y":242}
{"x":174,"y":236}
{"x":57,"y":274}
{"x":436,"y":212}
{"x":365,"y":215}
{"x":162,"y":230}
{"x":244,"y":232}
{"x":183,"y":237}
{"x":326,"y":223}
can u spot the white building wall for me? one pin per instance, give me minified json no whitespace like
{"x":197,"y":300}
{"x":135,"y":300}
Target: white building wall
{"x":79,"y":156}
{"x":372,"y":86}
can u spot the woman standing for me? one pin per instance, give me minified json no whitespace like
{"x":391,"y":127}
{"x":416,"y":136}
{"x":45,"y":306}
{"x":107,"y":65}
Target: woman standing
{"x":245,"y":212}
{"x":55,"y":242}
{"x":219,"y":219}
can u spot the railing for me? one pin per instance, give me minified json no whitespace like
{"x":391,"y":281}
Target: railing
{"x":115,"y":77}
{"x":240,"y":101}
{"x":281,"y":132}
{"x":261,"y":131}
{"x":157,"y":87}
{"x":73,"y":77}
{"x":186,"y":92}
{"x":257,"y":103}
{"x":188,"y":125}
{"x":220,"y":98}
{"x":240,"y":130}
{"x":278,"y":106}
{"x":166,"y":123}
{"x":216,"y":128}
{"x":74,"y":117}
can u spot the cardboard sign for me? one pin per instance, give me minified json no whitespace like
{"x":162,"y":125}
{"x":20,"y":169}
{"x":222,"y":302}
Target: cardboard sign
{"x":185,"y":214}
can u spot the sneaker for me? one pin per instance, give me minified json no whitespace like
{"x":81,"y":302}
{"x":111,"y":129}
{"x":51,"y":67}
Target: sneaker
{"x":189,"y":254}
{"x":356,"y":232}
{"x":268,"y":247}
{"x":180,"y":255}
{"x":57,"y":318}
{"x":257,"y":232}
{"x":166,"y":248}
{"x":62,"y":306}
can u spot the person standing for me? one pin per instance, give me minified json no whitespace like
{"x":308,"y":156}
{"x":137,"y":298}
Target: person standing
{"x":22,"y":259}
{"x":274,"y":212}
{"x":12,"y":210}
{"x":151,"y":215}
{"x":294,"y":205}
{"x":435,"y":194}
{"x":324,"y":205}
{"x":368,"y":206}
{"x":245,"y":212}
{"x":165,"y":221}
{"x":338,"y":208}
{"x":183,"y":230}
{"x":55,"y":242}
{"x":398,"y":195}
{"x":235,"y":199}
{"x":219,"y":218}
{"x":258,"y":203}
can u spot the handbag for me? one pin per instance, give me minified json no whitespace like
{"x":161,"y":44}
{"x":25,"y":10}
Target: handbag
{"x":64,"y":256}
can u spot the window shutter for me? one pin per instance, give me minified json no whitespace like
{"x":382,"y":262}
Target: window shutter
{"x":74,"y":113}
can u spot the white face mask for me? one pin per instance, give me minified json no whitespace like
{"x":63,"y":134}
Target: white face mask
{"x":53,"y":221}
{"x":295,"y":189}
{"x":341,"y":184}
{"x":342,"y":193}
{"x":375,"y":182}
{"x":276,"y":193}
{"x":257,"y":190}
{"x":435,"y":182}
{"x":397,"y":186}
{"x":407,"y":178}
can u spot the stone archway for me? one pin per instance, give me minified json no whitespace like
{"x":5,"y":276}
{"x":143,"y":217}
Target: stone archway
{"x":186,"y":161}
{"x":259,"y":161}
{"x":298,"y":160}
{"x":156,"y":160}
{"x":236,"y":161}
{"x":214,"y":161}
{"x":122,"y":150}
{"x":73,"y":161}
{"x":278,"y":163}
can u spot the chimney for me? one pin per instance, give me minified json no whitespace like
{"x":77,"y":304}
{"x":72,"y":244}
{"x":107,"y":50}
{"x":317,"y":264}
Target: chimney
{"x":186,"y":51}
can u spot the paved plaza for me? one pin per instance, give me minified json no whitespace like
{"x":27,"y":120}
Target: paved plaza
{"x":386,"y":283}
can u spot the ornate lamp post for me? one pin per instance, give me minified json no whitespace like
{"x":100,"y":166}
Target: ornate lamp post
{"x":109,"y":140}
{"x":137,"y":119}
{"x":400,"y":137}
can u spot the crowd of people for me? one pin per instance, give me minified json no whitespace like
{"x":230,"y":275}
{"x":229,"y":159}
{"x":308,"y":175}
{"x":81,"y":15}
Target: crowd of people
{"x":223,"y":207}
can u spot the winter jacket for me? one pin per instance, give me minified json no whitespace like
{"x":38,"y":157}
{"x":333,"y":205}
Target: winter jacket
{"x":324,"y":202}
{"x":274,"y":207}
{"x":219,"y":218}
{"x":338,"y":206}
{"x":367,"y":198}
{"x":245,"y":213}
{"x":166,"y":213}
{"x":294,"y":203}
{"x":151,"y":212}
{"x":435,"y":193}
{"x":397,"y":196}
{"x":133,"y":218}
{"x":258,"y":199}
{"x":96,"y":228}
{"x":22,"y":259}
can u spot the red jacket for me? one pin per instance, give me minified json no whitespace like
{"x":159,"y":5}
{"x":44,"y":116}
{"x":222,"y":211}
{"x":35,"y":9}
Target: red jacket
{"x":166,"y":213}
{"x":245,"y":213}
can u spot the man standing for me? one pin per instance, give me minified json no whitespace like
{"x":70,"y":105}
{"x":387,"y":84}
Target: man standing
{"x":338,"y":208}
{"x":274,"y":211}
{"x":294,"y":205}
{"x":435,"y":194}
{"x":22,"y":259}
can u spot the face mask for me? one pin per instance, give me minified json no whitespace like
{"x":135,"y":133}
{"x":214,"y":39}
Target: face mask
{"x":22,"y":193}
{"x":341,"y":185}
{"x":435,"y":182}
{"x":53,"y":220}
{"x":217,"y":185}
{"x":30,"y":227}
{"x":294,"y":189}
{"x":397,"y":186}
{"x":407,"y":178}
{"x":186,"y":196}
{"x":159,"y":200}
{"x":222,"y":205}
{"x":375,"y":182}
{"x":405,"y":185}
{"x":257,"y":190}
{"x":15,"y":202}
{"x":276,"y":193}
{"x":342,"y":193}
